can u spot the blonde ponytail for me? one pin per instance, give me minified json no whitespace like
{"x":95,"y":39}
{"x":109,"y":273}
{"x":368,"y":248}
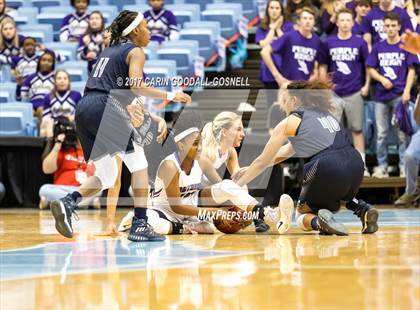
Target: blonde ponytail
{"x":212,"y":133}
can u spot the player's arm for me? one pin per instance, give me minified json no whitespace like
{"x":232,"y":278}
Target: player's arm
{"x":287,"y":127}
{"x":232,"y":162}
{"x":285,"y":152}
{"x":135,"y":61}
{"x":210,"y":172}
{"x":411,"y":42}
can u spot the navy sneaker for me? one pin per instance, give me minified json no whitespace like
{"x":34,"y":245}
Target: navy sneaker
{"x":62,"y":210}
{"x":368,"y":216}
{"x":261,"y":226}
{"x":143,"y":231}
{"x":328,"y":225}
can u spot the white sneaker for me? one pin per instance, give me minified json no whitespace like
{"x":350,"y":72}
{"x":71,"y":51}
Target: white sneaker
{"x":125,"y":224}
{"x":287,"y":207}
{"x":202,"y":227}
{"x":366,"y":173}
{"x":380,"y":172}
{"x":402,"y":172}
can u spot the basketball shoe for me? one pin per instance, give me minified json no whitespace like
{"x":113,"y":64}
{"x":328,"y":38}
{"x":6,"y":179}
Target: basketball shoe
{"x":367,"y":214}
{"x":328,"y":225}
{"x":62,"y":210}
{"x":142,"y":231}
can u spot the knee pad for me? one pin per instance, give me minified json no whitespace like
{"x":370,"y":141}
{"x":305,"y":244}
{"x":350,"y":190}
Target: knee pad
{"x":299,"y":221}
{"x":106,"y":171}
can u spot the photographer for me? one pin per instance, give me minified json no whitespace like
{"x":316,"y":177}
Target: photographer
{"x":67,"y":163}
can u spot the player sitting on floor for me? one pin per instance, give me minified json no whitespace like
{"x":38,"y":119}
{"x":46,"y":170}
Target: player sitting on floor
{"x":179,"y":197}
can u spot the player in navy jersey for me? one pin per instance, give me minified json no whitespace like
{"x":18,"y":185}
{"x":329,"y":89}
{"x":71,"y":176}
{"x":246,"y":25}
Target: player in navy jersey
{"x":106,"y":118}
{"x":334,"y":171}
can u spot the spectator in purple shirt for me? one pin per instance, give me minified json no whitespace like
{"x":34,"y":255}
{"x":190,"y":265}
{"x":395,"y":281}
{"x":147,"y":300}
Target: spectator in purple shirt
{"x":373,"y":23}
{"x":299,"y":51}
{"x":272,"y":27}
{"x":329,"y":10}
{"x":161,"y":23}
{"x":294,"y":7}
{"x":393,"y":70}
{"x":362,"y":8}
{"x":344,"y":58}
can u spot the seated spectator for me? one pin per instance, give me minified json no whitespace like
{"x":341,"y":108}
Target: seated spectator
{"x":67,"y":163}
{"x":5,"y":11}
{"x":10,"y":41}
{"x":413,"y":8}
{"x":393,"y":70}
{"x":74,"y":25}
{"x":25,"y":64}
{"x":161,"y":23}
{"x":272,"y":27}
{"x":61,"y":101}
{"x":329,"y":10}
{"x":373,"y":24}
{"x":362,"y":8}
{"x":40,"y":83}
{"x":293,"y":8}
{"x":92,"y":43}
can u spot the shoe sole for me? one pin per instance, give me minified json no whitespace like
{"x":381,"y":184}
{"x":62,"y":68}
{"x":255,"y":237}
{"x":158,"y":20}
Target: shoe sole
{"x":371,"y":222}
{"x":61,"y":225}
{"x":126,"y":222}
{"x":325,"y":218}
{"x":145,"y":239}
{"x":286,"y":213}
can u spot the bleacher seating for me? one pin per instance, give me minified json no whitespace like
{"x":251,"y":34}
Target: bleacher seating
{"x":16,"y":119}
{"x":43,"y":3}
{"x":183,"y":52}
{"x":249,"y":7}
{"x":42,"y":33}
{"x":151,"y":50}
{"x":5,"y":74}
{"x":15,"y":3}
{"x":78,"y":86}
{"x":76,"y":69}
{"x":54,"y":19}
{"x":185,"y":13}
{"x":66,"y":49}
{"x":27,"y":11}
{"x":228,"y":15}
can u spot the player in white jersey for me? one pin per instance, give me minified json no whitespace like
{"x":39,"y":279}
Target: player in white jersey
{"x":179,"y":196}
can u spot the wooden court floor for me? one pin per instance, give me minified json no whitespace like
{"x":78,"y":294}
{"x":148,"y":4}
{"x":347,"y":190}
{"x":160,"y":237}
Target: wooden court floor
{"x":42,"y":270}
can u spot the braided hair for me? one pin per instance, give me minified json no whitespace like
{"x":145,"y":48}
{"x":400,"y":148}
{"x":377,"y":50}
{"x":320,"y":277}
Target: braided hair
{"x":122,"y":21}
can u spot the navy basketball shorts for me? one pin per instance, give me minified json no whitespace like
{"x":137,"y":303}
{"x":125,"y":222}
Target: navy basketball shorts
{"x":103,"y":126}
{"x":331,"y":177}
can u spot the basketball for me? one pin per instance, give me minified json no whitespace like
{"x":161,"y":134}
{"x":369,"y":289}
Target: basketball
{"x":229,"y":225}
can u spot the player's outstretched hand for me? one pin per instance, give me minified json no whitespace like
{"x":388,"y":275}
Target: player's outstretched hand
{"x":110,"y":230}
{"x":182,"y":97}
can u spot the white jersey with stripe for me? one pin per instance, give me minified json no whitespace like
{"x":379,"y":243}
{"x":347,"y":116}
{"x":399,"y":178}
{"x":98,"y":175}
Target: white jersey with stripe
{"x":189,"y":187}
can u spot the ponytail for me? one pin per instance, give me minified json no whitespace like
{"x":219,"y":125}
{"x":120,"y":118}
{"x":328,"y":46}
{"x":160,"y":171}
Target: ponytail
{"x":212,"y":133}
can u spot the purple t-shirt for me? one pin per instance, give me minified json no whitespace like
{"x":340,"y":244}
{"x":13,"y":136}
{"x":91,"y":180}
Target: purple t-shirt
{"x":265,"y":74}
{"x":373,"y":23}
{"x":346,"y":61}
{"x":357,"y":29}
{"x":298,"y":54}
{"x":393,"y":63}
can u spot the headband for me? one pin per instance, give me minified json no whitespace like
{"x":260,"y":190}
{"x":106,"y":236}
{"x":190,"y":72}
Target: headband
{"x":185,"y":133}
{"x":133,"y":24}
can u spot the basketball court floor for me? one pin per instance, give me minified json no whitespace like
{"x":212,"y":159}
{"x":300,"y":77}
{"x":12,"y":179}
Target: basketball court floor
{"x":42,"y":270}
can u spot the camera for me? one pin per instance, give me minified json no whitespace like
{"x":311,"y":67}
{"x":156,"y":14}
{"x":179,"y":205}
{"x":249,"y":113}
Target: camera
{"x":62,"y":125}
